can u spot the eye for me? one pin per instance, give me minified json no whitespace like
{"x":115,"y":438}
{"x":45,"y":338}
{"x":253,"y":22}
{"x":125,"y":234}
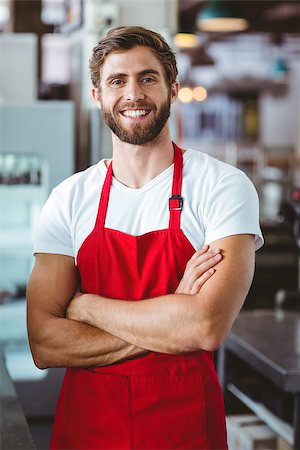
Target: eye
{"x":117,"y":82}
{"x":148,"y":80}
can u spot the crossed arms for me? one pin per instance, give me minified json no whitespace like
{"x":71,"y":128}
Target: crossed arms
{"x":88,"y":330}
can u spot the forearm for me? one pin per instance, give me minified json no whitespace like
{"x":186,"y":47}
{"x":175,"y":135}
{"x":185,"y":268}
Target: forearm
{"x":167,"y":324}
{"x":178,"y":323}
{"x":56,"y":341}
{"x":67,"y":343}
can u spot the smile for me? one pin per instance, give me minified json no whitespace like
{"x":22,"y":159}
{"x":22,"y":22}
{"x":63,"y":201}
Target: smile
{"x":135,"y":113}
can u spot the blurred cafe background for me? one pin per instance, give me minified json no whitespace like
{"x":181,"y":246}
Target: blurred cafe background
{"x":239,"y":101}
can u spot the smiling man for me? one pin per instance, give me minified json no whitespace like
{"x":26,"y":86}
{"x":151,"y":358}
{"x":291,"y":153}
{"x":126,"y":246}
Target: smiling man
{"x":142,"y":264}
{"x":145,"y":118}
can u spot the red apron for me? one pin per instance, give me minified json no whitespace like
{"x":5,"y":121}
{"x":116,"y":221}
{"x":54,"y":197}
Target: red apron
{"x":156,"y":401}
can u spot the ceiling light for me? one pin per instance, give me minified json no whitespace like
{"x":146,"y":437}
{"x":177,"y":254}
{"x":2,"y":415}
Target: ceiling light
{"x":199,"y":93}
{"x":185,"y":95}
{"x":219,"y":16}
{"x":186,"y":40}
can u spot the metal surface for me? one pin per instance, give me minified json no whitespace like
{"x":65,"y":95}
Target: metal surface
{"x":270,"y":342}
{"x":280,"y":427}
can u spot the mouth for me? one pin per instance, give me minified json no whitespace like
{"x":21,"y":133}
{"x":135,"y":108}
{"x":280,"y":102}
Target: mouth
{"x":136,"y":114}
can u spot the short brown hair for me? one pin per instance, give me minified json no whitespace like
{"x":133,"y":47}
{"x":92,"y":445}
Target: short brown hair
{"x":125,"y":38}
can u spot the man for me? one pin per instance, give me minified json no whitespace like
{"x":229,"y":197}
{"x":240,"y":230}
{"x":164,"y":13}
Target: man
{"x":140,"y":371}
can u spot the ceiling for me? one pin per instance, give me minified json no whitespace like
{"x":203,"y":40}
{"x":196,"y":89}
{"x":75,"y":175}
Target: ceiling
{"x":278,"y":20}
{"x":278,"y":17}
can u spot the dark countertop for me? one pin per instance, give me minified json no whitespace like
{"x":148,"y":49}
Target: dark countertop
{"x":15,"y":434}
{"x":270,"y":342}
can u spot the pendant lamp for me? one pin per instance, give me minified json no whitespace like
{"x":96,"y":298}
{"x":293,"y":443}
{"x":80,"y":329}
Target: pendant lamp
{"x":186,"y":40}
{"x":185,"y":37}
{"x":220,"y":16}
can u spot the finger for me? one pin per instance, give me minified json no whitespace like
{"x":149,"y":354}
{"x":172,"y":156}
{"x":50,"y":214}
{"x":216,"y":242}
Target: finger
{"x":200,"y":259}
{"x":201,"y":256}
{"x":198,"y":253}
{"x":203,"y":266}
{"x":209,"y":254}
{"x":202,"y":269}
{"x":198,"y":270}
{"x":200,"y":281}
{"x":184,"y":287}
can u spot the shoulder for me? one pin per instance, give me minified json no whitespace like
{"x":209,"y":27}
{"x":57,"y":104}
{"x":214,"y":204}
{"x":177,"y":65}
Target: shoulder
{"x":77,"y":187}
{"x":210,"y":174}
{"x":225,"y":198}
{"x":202,"y":163}
{"x":58,"y":218}
{"x":67,"y":197}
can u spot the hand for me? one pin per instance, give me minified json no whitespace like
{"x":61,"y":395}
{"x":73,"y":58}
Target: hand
{"x":198,"y":270}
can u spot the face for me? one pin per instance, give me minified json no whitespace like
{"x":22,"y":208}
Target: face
{"x":134,"y":96}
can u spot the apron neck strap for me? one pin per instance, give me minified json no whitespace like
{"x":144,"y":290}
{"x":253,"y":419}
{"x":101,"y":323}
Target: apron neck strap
{"x":102,"y":210}
{"x":175,"y":201}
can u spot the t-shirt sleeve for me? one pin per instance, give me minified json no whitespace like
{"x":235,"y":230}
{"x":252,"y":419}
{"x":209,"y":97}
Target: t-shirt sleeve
{"x":233,"y":208}
{"x":53,"y":231}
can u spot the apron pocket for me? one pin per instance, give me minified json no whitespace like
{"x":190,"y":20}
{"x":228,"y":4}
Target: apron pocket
{"x":168,"y":412}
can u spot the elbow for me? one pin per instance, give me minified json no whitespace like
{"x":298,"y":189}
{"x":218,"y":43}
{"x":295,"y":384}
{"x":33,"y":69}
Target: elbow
{"x":212,"y":343}
{"x":39,"y":353}
{"x":40,"y":363}
{"x":210,"y":338}
{"x":208,"y":342}
{"x":193,"y":344}
{"x":38,"y":357}
{"x":44,"y":349}
{"x":204,"y":335}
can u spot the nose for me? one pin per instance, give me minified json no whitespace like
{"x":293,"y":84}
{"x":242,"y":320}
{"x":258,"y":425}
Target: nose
{"x":133,"y":91}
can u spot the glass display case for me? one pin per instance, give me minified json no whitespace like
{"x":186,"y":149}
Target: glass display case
{"x":23,"y":191}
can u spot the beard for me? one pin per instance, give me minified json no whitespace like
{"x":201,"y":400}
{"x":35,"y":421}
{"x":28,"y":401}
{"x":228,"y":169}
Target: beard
{"x":138,"y":134}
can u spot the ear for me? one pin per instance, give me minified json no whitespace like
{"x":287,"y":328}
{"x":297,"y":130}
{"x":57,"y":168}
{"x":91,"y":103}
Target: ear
{"x":174,"y":91}
{"x":96,"y":96}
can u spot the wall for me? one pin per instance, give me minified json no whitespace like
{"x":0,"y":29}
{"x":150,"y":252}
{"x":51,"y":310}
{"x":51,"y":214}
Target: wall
{"x":45,"y":128}
{"x":18,"y":67}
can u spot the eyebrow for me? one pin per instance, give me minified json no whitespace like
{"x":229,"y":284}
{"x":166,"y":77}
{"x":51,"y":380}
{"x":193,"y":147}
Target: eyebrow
{"x":142,"y":72}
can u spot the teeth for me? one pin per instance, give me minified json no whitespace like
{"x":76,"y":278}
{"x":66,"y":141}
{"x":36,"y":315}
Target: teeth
{"x":135,"y":113}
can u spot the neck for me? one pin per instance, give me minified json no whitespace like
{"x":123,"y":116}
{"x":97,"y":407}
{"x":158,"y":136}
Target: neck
{"x":134,"y":165}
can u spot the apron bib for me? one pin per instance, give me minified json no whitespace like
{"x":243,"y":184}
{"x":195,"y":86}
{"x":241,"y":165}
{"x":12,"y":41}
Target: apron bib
{"x":156,"y":401}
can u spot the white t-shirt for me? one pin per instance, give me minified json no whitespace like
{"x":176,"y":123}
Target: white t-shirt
{"x":219,"y":201}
